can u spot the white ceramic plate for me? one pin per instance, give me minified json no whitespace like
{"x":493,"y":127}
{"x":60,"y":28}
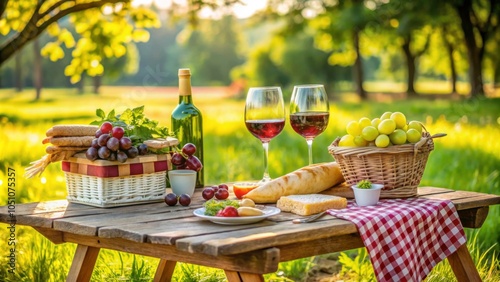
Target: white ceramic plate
{"x":268,"y":211}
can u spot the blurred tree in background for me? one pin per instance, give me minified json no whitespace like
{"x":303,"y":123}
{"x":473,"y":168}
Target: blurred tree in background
{"x":353,"y":29}
{"x":104,"y":28}
{"x":211,"y":49}
{"x":343,"y":44}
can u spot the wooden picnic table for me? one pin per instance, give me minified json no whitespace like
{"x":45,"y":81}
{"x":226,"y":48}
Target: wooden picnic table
{"x":244,"y":252}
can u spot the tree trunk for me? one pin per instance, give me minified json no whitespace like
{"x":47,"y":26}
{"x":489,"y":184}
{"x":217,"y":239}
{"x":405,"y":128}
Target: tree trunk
{"x":37,"y":69}
{"x":358,"y":68}
{"x":97,"y":83}
{"x":496,"y":76}
{"x":330,"y":78}
{"x":18,"y":72}
{"x":410,"y":66}
{"x":453,"y":69}
{"x":81,"y":84}
{"x":475,"y":73}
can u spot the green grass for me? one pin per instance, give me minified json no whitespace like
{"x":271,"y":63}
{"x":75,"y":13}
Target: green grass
{"x":467,"y":159}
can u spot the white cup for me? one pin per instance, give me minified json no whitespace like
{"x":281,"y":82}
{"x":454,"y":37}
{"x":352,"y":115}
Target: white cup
{"x":367,"y":197}
{"x":182,"y":181}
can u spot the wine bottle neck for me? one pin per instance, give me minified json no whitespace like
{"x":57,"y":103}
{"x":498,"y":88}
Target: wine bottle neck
{"x":185,"y":99}
{"x":185,"y":86}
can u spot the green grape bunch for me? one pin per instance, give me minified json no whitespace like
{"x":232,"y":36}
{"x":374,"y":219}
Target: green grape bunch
{"x":391,"y":128}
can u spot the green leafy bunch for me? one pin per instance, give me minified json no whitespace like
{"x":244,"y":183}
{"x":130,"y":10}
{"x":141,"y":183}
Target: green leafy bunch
{"x":136,"y":125}
{"x":365,"y":184}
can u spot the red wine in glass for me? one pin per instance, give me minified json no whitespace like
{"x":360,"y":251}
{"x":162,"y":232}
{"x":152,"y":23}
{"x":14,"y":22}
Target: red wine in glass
{"x":265,"y":117}
{"x":309,"y":124}
{"x":309,"y":112}
{"x":265,"y":130}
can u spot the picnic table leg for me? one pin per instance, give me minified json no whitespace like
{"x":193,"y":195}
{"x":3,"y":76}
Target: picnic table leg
{"x":463,"y":266}
{"x":164,"y":271}
{"x":233,"y":276}
{"x":83,"y":263}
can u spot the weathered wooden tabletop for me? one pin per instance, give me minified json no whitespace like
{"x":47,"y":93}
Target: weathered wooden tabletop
{"x":175,"y":234}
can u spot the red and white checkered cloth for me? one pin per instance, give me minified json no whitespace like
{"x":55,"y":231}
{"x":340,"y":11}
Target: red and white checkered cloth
{"x":406,"y":238}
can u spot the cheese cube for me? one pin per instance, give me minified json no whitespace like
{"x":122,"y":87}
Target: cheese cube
{"x":310,"y":204}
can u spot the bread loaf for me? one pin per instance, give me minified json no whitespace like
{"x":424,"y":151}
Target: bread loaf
{"x":310,"y":204}
{"x":307,"y":180}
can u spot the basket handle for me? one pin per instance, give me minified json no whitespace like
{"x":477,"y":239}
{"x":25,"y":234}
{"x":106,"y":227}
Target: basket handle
{"x":438,"y":135}
{"x":424,"y":140}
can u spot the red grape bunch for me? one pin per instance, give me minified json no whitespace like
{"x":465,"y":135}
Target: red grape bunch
{"x":221,"y":192}
{"x":111,"y":144}
{"x":185,"y":159}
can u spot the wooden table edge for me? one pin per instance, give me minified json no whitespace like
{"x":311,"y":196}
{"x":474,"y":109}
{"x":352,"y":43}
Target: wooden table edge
{"x":259,"y":261}
{"x":262,"y":261}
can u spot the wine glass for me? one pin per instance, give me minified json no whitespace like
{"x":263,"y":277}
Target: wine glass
{"x":309,"y":112}
{"x":265,"y":117}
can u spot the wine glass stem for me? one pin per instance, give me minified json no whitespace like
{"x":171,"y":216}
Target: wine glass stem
{"x":266,"y":154}
{"x":309,"y":148}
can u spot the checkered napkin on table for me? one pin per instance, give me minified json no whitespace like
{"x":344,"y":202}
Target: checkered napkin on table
{"x":406,"y":238}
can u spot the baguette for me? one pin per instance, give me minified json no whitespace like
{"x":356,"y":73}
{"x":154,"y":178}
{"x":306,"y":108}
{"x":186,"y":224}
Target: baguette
{"x":307,"y":180}
{"x":72,"y":130}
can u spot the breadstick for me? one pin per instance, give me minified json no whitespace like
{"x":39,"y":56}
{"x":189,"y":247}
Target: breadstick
{"x":72,"y":130}
{"x":72,"y":141}
{"x":58,"y":149}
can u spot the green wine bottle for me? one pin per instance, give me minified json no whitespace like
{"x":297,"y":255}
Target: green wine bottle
{"x":187,"y":122}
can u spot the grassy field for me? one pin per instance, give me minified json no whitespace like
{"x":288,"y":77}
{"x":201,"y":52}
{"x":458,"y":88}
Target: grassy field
{"x":467,"y":159}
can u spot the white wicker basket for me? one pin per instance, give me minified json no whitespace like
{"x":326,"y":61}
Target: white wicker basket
{"x":109,"y":184}
{"x":115,"y":191}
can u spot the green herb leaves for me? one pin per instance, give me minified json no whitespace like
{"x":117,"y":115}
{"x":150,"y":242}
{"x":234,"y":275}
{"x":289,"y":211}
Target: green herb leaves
{"x":365,"y":184}
{"x":136,"y":125}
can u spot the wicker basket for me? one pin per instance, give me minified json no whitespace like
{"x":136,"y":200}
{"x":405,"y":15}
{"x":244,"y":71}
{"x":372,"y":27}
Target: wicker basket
{"x":399,"y":168}
{"x":109,"y":184}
